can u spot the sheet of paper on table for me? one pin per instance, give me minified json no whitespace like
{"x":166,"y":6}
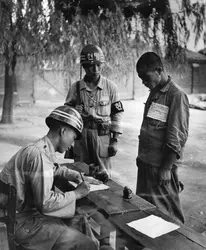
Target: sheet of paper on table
{"x":92,"y":186}
{"x":98,"y":187}
{"x":153,"y":226}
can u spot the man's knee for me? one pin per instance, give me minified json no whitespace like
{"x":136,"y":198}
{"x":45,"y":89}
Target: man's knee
{"x":72,"y":239}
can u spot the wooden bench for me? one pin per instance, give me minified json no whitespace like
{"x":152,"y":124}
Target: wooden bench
{"x":7,"y":215}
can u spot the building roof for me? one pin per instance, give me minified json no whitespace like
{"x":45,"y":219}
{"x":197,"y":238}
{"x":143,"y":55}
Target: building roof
{"x":195,"y":57}
{"x":202,"y":51}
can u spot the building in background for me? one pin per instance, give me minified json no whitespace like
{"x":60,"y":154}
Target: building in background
{"x":193,"y":78}
{"x":52,"y":84}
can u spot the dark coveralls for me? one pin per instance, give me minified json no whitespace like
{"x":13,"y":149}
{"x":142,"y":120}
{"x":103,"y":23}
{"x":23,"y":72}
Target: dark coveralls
{"x":165,"y":123}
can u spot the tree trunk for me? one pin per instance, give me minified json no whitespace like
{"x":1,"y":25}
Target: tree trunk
{"x":7,"y":112}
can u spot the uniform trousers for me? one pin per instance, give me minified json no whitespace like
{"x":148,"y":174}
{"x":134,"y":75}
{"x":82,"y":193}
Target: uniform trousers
{"x":164,"y":197}
{"x":92,"y":148}
{"x":35,"y":231}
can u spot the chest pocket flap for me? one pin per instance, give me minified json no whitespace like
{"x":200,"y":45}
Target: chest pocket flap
{"x":104,"y":108}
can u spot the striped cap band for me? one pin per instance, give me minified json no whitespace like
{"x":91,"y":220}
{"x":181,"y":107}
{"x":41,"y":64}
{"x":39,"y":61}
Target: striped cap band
{"x":67,"y":116}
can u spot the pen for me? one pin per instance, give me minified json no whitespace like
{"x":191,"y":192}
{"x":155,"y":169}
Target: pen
{"x":81,"y":176}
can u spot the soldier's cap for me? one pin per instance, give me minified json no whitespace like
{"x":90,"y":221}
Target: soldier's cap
{"x":69,"y":116}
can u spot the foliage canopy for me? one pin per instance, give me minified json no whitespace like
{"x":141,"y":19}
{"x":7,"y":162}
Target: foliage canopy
{"x":56,"y":30}
{"x":48,"y":28}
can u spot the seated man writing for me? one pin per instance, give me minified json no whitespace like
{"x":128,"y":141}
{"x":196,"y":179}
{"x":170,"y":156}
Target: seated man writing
{"x":40,"y":209}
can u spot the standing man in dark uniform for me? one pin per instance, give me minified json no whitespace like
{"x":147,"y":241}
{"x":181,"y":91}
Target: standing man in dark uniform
{"x":163,"y":135}
{"x":97,"y":100}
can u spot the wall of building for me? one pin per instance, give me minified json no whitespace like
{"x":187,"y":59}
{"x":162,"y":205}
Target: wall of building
{"x":53,"y":85}
{"x":182,"y":78}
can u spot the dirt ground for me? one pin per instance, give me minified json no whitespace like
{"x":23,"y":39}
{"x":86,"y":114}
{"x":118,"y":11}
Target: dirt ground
{"x":29,"y":125}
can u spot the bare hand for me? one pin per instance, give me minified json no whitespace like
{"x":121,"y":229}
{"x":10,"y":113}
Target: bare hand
{"x":112,"y":150}
{"x":102,"y":176}
{"x":74,"y":176}
{"x":79,"y":108}
{"x":82,"y":190}
{"x":164,"y":176}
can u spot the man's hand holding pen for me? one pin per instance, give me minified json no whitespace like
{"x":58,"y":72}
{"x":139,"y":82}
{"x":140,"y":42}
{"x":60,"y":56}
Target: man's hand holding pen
{"x":83,"y":188}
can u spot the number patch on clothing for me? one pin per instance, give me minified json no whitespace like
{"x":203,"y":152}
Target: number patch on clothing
{"x":158,"y":112}
{"x":117,"y":107}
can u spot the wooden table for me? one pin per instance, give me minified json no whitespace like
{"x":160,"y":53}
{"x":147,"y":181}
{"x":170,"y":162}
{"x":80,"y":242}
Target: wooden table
{"x":120,"y":211}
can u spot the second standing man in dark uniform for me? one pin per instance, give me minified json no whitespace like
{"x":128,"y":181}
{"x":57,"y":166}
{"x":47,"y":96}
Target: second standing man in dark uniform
{"x":162,"y":139}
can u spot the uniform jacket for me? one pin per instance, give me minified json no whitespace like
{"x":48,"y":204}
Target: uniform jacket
{"x":165,"y":123}
{"x":98,"y":103}
{"x":31,"y":170}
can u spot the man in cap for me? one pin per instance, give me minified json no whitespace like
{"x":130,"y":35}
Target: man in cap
{"x":97,"y":100}
{"x":33,"y":171}
{"x":163,"y":135}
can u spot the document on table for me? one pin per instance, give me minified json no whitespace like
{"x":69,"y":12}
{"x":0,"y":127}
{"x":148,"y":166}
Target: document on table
{"x":153,"y":226}
{"x":93,"y":187}
{"x":98,"y":187}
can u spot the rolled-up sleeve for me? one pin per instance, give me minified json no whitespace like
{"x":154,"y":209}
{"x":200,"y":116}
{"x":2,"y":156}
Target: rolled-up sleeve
{"x":178,"y":122}
{"x":46,"y":200}
{"x":66,"y":173}
{"x":117,"y":114}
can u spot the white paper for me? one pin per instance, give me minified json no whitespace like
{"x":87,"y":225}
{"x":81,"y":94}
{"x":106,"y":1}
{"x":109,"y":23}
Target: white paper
{"x":73,"y":183}
{"x":158,"y":112}
{"x":98,"y":187}
{"x":93,"y":187}
{"x":153,"y":226}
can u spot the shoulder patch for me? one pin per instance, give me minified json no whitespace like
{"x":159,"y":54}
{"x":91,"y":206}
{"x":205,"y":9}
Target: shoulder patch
{"x":117,"y":107}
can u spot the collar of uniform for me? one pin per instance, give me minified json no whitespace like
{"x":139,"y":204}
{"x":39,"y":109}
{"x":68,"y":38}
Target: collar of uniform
{"x":49,"y":148}
{"x":166,"y":85}
{"x":84,"y":86}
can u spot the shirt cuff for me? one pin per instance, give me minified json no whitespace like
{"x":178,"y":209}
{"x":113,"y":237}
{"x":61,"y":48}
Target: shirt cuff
{"x":176,"y":148}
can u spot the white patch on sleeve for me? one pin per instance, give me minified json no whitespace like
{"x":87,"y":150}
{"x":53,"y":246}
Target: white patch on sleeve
{"x":158,"y":112}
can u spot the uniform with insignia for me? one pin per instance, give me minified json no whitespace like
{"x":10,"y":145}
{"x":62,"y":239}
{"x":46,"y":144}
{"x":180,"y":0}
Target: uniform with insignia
{"x":45,"y":215}
{"x":102,"y":114}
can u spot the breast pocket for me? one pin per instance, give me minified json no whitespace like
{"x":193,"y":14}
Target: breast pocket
{"x":104,"y":108}
{"x":156,"y":123}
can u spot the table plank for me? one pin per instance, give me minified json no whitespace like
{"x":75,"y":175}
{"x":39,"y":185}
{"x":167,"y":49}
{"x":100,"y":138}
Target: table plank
{"x":139,"y":202}
{"x":171,"y":241}
{"x":111,"y":202}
